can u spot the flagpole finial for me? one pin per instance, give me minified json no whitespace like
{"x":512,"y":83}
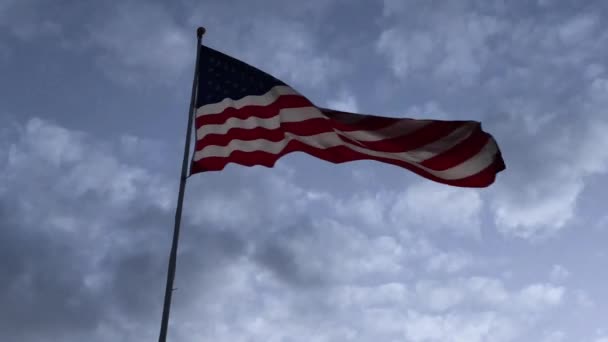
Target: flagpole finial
{"x":200,"y":32}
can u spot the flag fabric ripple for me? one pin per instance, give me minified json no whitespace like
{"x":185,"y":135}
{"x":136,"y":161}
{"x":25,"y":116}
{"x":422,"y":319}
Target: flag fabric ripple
{"x":248,"y":117}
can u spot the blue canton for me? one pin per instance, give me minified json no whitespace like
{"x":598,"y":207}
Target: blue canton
{"x":221,"y":76}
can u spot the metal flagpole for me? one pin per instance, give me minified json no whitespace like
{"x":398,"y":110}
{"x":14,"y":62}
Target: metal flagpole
{"x":180,"y":198}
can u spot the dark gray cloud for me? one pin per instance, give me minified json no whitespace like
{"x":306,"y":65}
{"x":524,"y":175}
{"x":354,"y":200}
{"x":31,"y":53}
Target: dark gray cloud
{"x":278,"y":255}
{"x":43,"y":291}
{"x":84,"y":243}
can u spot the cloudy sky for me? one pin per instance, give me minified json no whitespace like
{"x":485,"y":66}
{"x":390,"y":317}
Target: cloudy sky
{"x":93,"y":109}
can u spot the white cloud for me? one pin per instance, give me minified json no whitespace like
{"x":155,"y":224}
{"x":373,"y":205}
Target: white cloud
{"x":142,"y":42}
{"x":18,"y":18}
{"x":295,"y":58}
{"x":559,"y":273}
{"x":486,"y":326}
{"x":540,"y":296}
{"x":424,"y":207}
{"x":345,"y":102}
{"x":451,"y":45}
{"x":360,"y":312}
{"x":545,"y":200}
{"x":81,"y":166}
{"x":359,"y":255}
{"x":369,"y":209}
{"x":351,"y":297}
{"x":404,"y":55}
{"x":489,"y":293}
{"x":449,"y":262}
{"x":602,"y":223}
{"x":430,"y":110}
{"x":583,"y":300}
{"x":60,"y":145}
{"x":578,"y":28}
{"x":439,"y":298}
{"x":544,"y":210}
{"x":284,"y":45}
{"x":432,"y":206}
{"x":554,"y":336}
{"x":532,"y":115}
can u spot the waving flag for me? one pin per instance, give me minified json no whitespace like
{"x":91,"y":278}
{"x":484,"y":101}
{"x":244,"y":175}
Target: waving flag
{"x":248,"y":117}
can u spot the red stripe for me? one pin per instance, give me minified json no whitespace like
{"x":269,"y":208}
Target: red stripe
{"x":460,"y":153}
{"x":414,"y":140}
{"x":363,"y":122}
{"x":366,"y":124}
{"x":301,"y":128}
{"x":340,"y":154}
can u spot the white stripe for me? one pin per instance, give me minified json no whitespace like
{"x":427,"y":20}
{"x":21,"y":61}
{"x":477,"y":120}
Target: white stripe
{"x":326,"y":140}
{"x":251,"y":100}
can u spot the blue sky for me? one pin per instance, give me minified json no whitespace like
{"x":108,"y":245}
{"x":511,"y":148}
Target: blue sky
{"x":93,"y":111}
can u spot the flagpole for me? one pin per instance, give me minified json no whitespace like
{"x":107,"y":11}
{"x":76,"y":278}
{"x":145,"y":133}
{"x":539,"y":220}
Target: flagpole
{"x":180,"y":198}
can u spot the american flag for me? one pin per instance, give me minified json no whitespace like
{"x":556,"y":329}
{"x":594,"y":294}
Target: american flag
{"x":248,"y":117}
